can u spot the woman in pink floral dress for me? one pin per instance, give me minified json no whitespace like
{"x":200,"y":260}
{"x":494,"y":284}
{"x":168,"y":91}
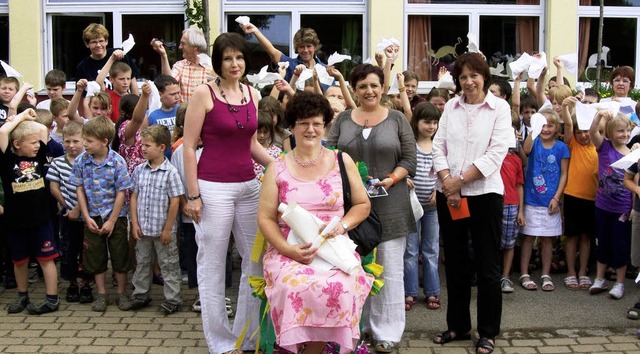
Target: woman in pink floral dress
{"x":310,"y":307}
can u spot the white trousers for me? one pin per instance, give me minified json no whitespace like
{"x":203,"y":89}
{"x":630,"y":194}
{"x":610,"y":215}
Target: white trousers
{"x":384,"y":313}
{"x":227,"y":207}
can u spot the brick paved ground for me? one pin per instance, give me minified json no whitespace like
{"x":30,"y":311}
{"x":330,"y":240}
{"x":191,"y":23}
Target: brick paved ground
{"x":76,"y":329}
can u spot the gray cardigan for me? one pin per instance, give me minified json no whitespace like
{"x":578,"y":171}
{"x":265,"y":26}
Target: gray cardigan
{"x":391,"y":143}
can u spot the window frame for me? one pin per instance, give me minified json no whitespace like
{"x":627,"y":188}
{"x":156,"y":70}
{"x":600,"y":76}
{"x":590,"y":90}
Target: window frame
{"x":80,"y":8}
{"x":628,"y":12}
{"x":296,"y":9}
{"x":473,"y":12}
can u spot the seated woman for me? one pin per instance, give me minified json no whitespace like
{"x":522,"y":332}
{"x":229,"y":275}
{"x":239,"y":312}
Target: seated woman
{"x":310,"y":307}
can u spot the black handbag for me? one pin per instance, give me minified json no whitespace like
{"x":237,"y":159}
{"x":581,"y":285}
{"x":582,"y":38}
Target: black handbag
{"x":368,"y":234}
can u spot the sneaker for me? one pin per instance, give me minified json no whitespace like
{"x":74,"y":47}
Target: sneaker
{"x":169,"y":308}
{"x":86,"y":296}
{"x":617,"y":292}
{"x":229,"y":311}
{"x":506,"y":285}
{"x":185,"y":278}
{"x":18,"y":305}
{"x":599,"y":285}
{"x":100,"y":303}
{"x":124,"y":303}
{"x":43,"y":306}
{"x":140,"y":302}
{"x":73,"y":294}
{"x":33,"y":277}
{"x":196,"y":307}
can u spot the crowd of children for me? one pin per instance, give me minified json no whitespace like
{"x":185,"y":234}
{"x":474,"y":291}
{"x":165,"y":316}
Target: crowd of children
{"x":115,"y":182}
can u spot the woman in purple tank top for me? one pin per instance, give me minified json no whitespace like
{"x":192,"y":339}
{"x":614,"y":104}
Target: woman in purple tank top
{"x":222,"y":192}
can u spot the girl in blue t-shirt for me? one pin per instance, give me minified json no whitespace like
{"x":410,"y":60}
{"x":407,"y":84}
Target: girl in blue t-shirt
{"x":544,"y":184}
{"x":613,"y":202}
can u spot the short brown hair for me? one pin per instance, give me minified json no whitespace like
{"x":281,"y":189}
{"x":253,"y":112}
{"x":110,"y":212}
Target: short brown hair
{"x":44,"y":117}
{"x":58,"y":105}
{"x":624,"y":71}
{"x":119,"y":67}
{"x":10,"y":80}
{"x":93,"y":31}
{"x":178,"y":128}
{"x":307,"y":105}
{"x":410,"y":75}
{"x":306,"y":36}
{"x":361,"y":71}
{"x":227,"y":41}
{"x":72,"y":128}
{"x":99,"y":127}
{"x":158,"y":133}
{"x":475,"y":62}
{"x":55,"y":78}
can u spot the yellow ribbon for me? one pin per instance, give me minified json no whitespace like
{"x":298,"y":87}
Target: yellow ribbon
{"x":259,"y":246}
{"x":258,"y":284}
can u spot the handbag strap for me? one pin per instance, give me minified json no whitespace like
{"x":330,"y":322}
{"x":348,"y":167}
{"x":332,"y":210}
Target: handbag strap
{"x":346,"y":188}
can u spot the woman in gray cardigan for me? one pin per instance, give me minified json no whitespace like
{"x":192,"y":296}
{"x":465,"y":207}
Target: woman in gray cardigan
{"x":383,"y":140}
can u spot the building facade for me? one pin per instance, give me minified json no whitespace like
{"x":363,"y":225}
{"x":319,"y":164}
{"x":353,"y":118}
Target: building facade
{"x":39,"y":35}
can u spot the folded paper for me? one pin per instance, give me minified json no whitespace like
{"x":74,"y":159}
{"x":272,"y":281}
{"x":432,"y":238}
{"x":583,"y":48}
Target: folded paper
{"x":570,"y":62}
{"x":446,"y":81}
{"x":92,"y":88}
{"x":243,"y":20}
{"x":338,"y":251}
{"x":304,"y":76}
{"x":521,"y":65}
{"x":586,"y":112}
{"x":472,"y":47}
{"x":323,"y":75}
{"x":369,"y":60}
{"x":154,"y":98}
{"x":628,"y":160}
{"x":537,"y":122}
{"x":128,"y":44}
{"x":537,"y":64}
{"x":386,"y":43}
{"x":10,"y":71}
{"x":263,"y":78}
{"x":336,"y":58}
{"x":394,"y":89}
{"x":283,"y":64}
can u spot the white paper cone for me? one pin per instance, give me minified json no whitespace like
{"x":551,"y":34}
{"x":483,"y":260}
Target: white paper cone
{"x":306,"y":226}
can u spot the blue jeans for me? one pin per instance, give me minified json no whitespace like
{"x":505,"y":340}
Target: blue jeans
{"x":429,"y":245}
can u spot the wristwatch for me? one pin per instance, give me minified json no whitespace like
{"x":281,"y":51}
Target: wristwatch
{"x":345,"y":226}
{"x":194,"y":197}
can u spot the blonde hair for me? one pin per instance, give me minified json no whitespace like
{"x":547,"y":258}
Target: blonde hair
{"x":559,"y":93}
{"x":613,"y":123}
{"x":25,"y":129}
{"x":100,"y":127}
{"x":72,"y":128}
{"x":103,"y":98}
{"x":44,"y":117}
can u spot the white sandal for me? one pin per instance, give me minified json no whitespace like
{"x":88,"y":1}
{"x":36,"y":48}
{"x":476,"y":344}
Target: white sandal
{"x":529,"y":284}
{"x":547,"y":285}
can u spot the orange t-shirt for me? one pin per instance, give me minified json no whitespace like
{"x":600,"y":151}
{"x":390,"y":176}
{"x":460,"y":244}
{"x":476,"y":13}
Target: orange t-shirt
{"x":582,"y":179}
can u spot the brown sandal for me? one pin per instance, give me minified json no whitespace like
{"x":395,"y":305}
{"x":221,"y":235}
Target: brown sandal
{"x":409,"y":301}
{"x":433,"y":303}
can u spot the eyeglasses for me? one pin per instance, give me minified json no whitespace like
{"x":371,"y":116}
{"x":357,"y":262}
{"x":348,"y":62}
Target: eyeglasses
{"x":624,"y":81}
{"x":306,"y":125}
{"x":95,"y":43}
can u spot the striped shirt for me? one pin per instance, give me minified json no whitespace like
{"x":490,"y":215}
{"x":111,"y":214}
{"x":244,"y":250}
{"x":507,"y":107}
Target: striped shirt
{"x":425,"y":179}
{"x":155,"y":187}
{"x":60,"y":171}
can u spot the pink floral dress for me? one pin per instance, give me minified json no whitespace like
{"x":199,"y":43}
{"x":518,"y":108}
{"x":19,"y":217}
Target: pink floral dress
{"x":132,"y":153}
{"x":308,"y":304}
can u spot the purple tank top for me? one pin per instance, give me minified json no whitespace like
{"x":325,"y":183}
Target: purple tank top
{"x":226,"y":153}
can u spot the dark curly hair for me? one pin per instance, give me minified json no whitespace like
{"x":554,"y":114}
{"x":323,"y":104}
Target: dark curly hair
{"x":307,"y":105}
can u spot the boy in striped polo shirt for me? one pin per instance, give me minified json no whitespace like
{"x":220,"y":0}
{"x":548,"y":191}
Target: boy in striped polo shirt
{"x":71,"y":227}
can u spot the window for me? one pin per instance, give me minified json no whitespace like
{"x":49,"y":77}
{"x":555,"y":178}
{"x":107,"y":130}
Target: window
{"x":145,"y":19}
{"x":437,"y":33}
{"x":618,"y":42}
{"x":340,"y":28}
{"x":615,"y":3}
{"x":275,"y":27}
{"x":4,"y":37}
{"x":68,"y":47}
